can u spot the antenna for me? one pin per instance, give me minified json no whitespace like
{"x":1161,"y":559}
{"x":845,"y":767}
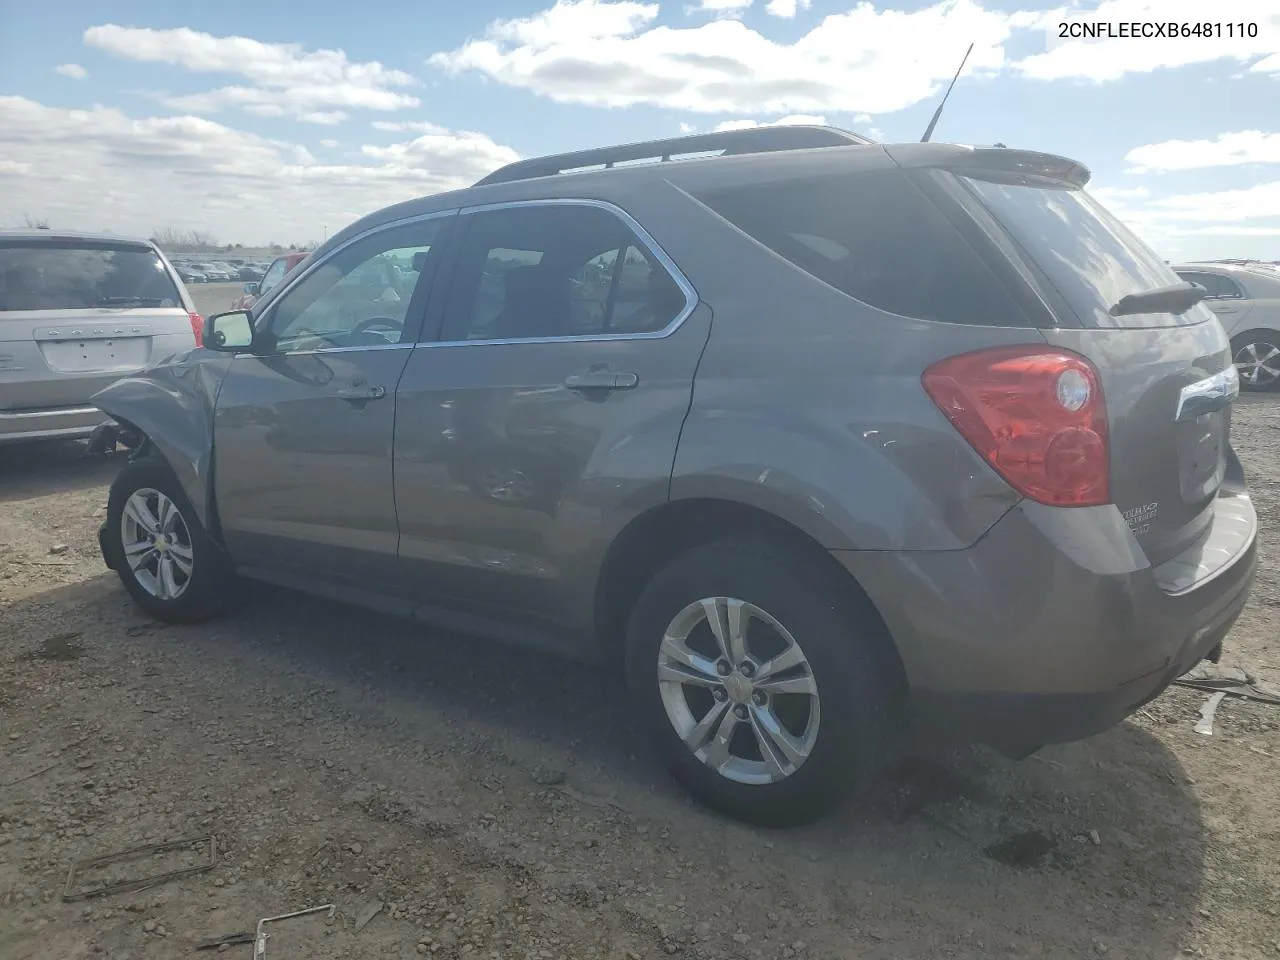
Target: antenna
{"x":928,"y":131}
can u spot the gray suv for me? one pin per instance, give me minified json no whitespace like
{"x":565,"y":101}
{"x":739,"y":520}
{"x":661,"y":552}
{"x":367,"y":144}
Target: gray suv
{"x":819,"y":440}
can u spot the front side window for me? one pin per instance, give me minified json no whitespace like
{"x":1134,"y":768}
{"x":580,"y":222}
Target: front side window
{"x":556,"y":270}
{"x":1216,"y":286}
{"x":275,"y":273}
{"x":360,"y":296}
{"x":82,"y":275}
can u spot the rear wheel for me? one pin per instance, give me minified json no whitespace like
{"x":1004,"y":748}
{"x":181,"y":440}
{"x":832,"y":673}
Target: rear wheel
{"x":761,"y":679}
{"x":1257,"y":358}
{"x":156,"y":544}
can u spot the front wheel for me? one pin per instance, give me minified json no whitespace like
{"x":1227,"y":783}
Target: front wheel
{"x":761,"y":676}
{"x":1257,"y":358}
{"x":153,"y":540}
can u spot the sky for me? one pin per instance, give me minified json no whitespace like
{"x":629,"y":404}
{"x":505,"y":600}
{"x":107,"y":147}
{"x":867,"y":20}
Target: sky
{"x":282,"y":122}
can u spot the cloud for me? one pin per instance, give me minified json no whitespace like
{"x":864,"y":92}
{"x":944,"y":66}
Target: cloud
{"x":84,"y":168}
{"x":407,"y":126}
{"x":72,"y":70}
{"x":721,"y":8}
{"x":786,"y":8}
{"x":1165,"y":222}
{"x":795,"y":119}
{"x":611,"y":54}
{"x":328,"y":144}
{"x":282,"y":78}
{"x":1111,"y":59}
{"x":1227,"y":150}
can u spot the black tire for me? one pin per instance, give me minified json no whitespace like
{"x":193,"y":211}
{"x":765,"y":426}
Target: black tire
{"x":841,"y":637}
{"x":206,"y":592}
{"x":1261,"y":340}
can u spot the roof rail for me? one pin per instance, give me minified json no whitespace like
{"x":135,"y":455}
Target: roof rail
{"x":728,"y":142}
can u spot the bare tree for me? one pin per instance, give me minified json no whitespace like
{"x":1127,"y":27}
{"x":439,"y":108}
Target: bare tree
{"x":35,"y":223}
{"x":173,"y":238}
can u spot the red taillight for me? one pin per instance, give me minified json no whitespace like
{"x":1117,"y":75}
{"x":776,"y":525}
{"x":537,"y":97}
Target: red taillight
{"x":1035,"y":414}
{"x":197,"y":328}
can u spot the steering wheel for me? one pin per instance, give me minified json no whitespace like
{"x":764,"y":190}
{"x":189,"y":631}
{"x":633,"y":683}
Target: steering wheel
{"x":378,"y":324}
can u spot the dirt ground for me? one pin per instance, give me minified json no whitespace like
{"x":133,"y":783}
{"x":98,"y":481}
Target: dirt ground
{"x":499,"y":804}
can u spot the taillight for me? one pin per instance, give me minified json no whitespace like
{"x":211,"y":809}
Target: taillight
{"x":1035,"y":414}
{"x":197,"y":327}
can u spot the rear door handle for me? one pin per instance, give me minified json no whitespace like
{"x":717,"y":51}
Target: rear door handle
{"x":362,"y":392}
{"x":601,"y":380}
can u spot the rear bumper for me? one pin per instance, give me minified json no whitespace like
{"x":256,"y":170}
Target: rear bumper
{"x":1054,"y":627}
{"x":59,"y":423}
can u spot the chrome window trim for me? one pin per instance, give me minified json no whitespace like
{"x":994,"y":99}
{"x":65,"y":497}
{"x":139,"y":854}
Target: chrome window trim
{"x":290,"y":283}
{"x":641,"y":234}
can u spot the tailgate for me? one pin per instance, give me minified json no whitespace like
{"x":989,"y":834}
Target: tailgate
{"x":1167,"y":377}
{"x":49,"y":359}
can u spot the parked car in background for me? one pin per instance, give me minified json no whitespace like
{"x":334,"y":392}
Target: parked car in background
{"x":211,"y":272}
{"x":271,"y":277}
{"x":955,"y":450}
{"x":1246,"y":298}
{"x":190,"y":273}
{"x":250,"y":271}
{"x":78,"y":311}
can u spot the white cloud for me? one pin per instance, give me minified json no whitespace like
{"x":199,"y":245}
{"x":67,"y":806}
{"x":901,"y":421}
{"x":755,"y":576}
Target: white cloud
{"x":328,"y":144}
{"x":312,"y":85}
{"x":407,"y":126}
{"x":795,"y":119}
{"x":722,"y":8}
{"x":83,"y":168}
{"x":1110,"y":59}
{"x":786,"y":8}
{"x":1227,"y":150}
{"x":611,"y":54}
{"x":72,"y":70}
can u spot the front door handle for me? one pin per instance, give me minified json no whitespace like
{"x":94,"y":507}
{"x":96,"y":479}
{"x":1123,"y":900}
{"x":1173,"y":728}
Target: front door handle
{"x":601,"y":380}
{"x":362,"y":393}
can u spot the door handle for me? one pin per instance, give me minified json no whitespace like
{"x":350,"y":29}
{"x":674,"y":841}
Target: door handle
{"x":601,"y":380}
{"x":362,"y":392}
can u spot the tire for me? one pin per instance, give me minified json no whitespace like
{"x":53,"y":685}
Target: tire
{"x":198,"y":586}
{"x":1255,"y":354}
{"x":842,"y":644}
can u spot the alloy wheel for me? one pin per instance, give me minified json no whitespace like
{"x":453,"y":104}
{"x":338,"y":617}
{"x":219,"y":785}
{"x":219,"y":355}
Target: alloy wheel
{"x":1258,"y":363}
{"x":157,"y":544}
{"x":738,"y":690}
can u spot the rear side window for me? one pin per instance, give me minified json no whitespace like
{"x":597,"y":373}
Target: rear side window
{"x":1092,"y":258}
{"x":1218,"y":287}
{"x":556,"y":270}
{"x":81,"y":276}
{"x":876,"y":237}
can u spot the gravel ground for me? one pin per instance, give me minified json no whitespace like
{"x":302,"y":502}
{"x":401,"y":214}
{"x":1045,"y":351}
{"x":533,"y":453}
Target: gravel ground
{"x":498,"y":804}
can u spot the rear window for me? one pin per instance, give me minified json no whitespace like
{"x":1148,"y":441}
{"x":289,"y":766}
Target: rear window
{"x":80,"y":276}
{"x":876,"y":237}
{"x":1089,"y":255}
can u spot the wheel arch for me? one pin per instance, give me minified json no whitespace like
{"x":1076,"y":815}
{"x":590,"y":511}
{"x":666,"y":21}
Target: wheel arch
{"x":663,"y":532}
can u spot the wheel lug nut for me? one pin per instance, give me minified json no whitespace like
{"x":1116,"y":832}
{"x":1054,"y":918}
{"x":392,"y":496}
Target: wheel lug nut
{"x":746,"y":669}
{"x":740,"y":711}
{"x":719,"y":694}
{"x":758,"y":698}
{"x":722,"y":668}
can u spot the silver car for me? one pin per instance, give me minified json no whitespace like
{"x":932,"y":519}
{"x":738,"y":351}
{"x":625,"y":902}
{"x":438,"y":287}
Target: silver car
{"x":77,"y":312}
{"x":1246,"y":298}
{"x":813,"y":441}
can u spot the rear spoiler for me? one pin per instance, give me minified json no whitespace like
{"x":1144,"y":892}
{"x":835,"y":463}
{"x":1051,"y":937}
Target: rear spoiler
{"x":1019,"y":164}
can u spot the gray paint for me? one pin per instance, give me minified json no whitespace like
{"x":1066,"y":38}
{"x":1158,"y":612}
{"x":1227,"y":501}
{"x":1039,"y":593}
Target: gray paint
{"x":772,"y":391}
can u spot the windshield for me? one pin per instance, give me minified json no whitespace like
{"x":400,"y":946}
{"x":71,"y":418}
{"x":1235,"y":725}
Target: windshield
{"x":1092,"y":258}
{"x":78,"y":275}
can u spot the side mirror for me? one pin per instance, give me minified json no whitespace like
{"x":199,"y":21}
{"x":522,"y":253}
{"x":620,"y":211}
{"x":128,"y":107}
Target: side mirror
{"x":251,"y":288}
{"x":419,"y":261}
{"x":230,"y":332}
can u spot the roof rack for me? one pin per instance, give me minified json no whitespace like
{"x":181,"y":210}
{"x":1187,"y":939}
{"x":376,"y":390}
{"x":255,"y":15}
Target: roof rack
{"x":727,"y":142}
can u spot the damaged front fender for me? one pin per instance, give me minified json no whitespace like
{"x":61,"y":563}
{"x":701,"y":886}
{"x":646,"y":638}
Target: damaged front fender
{"x":170,"y":408}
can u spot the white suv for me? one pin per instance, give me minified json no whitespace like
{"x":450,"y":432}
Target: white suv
{"x":1246,"y":298}
{"x":77,"y":312}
